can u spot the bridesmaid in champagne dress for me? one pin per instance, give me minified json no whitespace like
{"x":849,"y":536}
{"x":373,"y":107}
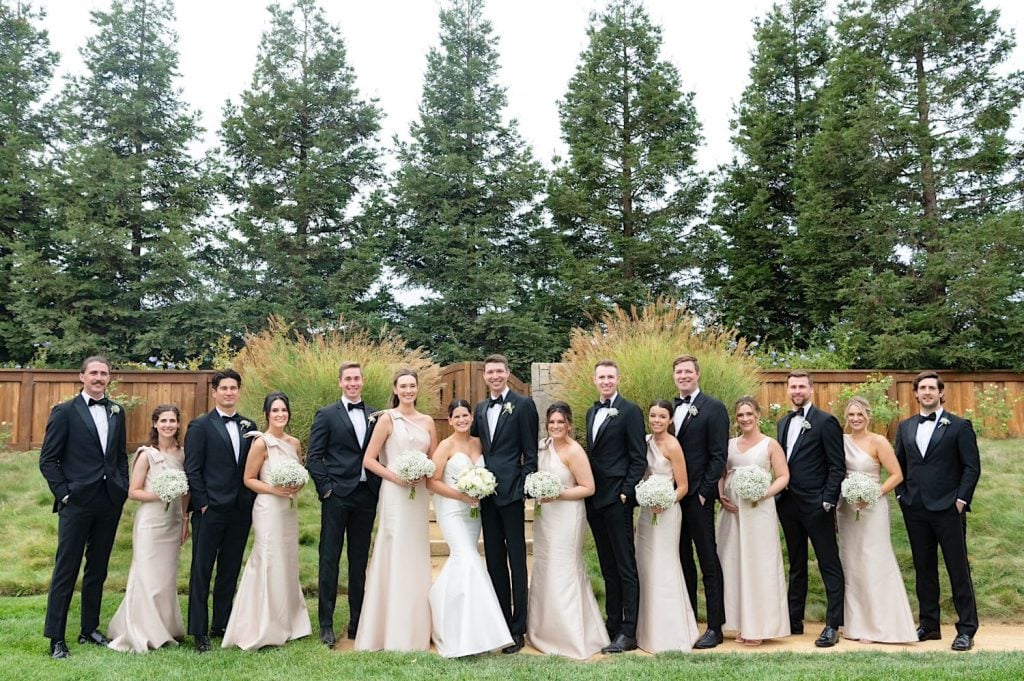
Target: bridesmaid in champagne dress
{"x":564,"y":618}
{"x":749,"y":548}
{"x":466,"y":615}
{"x":150,"y":614}
{"x":396,"y":608}
{"x":876,"y":605}
{"x":269,"y":608}
{"x":666,"y":620}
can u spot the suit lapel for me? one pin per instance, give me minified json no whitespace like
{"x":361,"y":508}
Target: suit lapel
{"x":112,"y":423}
{"x":591,"y":413}
{"x":607,"y":419}
{"x":503,"y":414}
{"x":222,"y":430}
{"x":687,"y":419}
{"x":347,"y":422}
{"x":90,"y":425}
{"x":800,"y":435}
{"x":937,"y":434}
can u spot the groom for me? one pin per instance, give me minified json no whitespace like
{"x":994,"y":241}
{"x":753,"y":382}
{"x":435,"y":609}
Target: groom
{"x":215,"y":452}
{"x":506,"y":424}
{"x":348,"y":496}
{"x":84,"y":461}
{"x":938,"y":453}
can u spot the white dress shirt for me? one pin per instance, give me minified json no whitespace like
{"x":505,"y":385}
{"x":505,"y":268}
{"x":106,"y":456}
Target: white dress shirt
{"x":796,"y":425}
{"x":358,"y":419}
{"x":679,"y":415}
{"x":493,"y":412}
{"x":232,"y":427}
{"x":925,"y":430}
{"x":99,"y":416}
{"x":601,"y":415}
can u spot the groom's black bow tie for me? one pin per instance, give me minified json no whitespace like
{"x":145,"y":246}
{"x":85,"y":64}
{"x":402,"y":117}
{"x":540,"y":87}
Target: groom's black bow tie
{"x":356,"y":405}
{"x":234,"y":417}
{"x":799,"y":412}
{"x":681,"y":400}
{"x":500,"y":399}
{"x":103,"y":401}
{"x":921,"y":418}
{"x":606,"y":404}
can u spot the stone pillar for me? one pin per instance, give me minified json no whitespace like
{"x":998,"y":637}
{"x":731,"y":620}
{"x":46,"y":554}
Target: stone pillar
{"x":543,"y":388}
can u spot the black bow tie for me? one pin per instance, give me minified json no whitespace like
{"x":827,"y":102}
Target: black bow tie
{"x":607,"y":404}
{"x":500,"y":399}
{"x":799,"y":412}
{"x":681,"y":400}
{"x":103,"y":401}
{"x":234,"y":417}
{"x":356,"y":405}
{"x":921,"y":418}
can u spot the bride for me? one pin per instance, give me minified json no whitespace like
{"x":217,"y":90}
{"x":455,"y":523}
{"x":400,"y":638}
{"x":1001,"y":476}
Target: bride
{"x":467,"y":618}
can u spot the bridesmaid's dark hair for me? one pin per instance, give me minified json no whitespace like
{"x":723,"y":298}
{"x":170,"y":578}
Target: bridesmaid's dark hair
{"x":670,"y":408}
{"x":559,"y":408}
{"x":405,"y":371}
{"x":154,"y":436}
{"x":455,"y":404}
{"x":268,"y":402}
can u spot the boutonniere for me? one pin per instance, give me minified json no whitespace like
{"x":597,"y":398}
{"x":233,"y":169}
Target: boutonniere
{"x":508,"y":407}
{"x":372,"y":417}
{"x":805,"y":426}
{"x":114,"y":410}
{"x":613,"y":412}
{"x":244,"y":424}
{"x":943,"y":421}
{"x":693,"y":411}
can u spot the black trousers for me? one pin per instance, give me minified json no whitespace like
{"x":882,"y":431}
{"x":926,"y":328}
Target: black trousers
{"x":819,"y":527}
{"x":81,"y":531}
{"x":698,"y":532}
{"x":505,"y":554}
{"x":612,"y":527}
{"x":351,"y":515}
{"x":218,"y":538}
{"x":927,"y":531}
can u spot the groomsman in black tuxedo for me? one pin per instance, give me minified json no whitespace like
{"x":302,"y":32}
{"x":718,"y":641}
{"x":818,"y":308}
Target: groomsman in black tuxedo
{"x":221,"y":506}
{"x":506,"y":424}
{"x":813,"y":442}
{"x":85,"y":463}
{"x":938,"y":453}
{"x":348,"y":496}
{"x":702,"y":428}
{"x":617,"y":451}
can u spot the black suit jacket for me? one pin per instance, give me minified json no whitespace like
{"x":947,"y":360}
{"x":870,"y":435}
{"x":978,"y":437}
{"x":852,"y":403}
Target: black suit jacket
{"x":948,"y":471}
{"x":334,"y":456}
{"x":618,"y":455}
{"x":705,"y":442}
{"x":72,"y":459}
{"x":214,"y":479}
{"x":512,"y":453}
{"x":818,"y":464}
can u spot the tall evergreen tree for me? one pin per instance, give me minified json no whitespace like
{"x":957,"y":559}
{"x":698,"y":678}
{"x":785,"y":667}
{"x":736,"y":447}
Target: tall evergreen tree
{"x":26,"y":128}
{"x":118,"y":277}
{"x":747,"y":269}
{"x":466,"y":207}
{"x":624,"y":199}
{"x":300,"y":149}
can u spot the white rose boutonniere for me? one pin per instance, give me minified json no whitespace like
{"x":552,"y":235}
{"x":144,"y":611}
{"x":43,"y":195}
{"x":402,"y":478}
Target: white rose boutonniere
{"x":245,"y":424}
{"x":372,"y":417}
{"x":613,"y":412}
{"x":693,"y":411}
{"x":114,"y":410}
{"x":508,"y":407}
{"x":805,"y":426}
{"x":943,"y":421}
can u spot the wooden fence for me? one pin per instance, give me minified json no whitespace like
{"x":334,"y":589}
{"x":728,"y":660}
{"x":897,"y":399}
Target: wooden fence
{"x":26,"y":396}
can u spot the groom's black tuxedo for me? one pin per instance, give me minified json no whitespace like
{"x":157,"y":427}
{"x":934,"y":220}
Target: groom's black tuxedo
{"x":511,"y":454}
{"x":95,"y":482}
{"x":817,"y":467}
{"x":347,"y":505}
{"x":218,"y":535}
{"x":618,"y":459}
{"x":704,"y":438}
{"x":933,"y":481}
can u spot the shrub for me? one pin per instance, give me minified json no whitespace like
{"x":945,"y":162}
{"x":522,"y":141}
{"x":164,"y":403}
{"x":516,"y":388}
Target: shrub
{"x":875,"y":390}
{"x":644,"y":344}
{"x":307,"y":370}
{"x":992,"y":412}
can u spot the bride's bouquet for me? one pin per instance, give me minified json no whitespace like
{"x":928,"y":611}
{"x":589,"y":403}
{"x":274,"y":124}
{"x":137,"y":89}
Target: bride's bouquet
{"x":751,"y":483}
{"x":657,"y":491}
{"x":288,"y":474}
{"x":476,"y":482}
{"x":169,"y":485}
{"x":413,"y":465}
{"x":859,"y":488}
{"x":542,"y":485}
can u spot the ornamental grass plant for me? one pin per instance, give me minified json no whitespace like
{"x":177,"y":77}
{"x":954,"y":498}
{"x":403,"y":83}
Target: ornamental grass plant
{"x":306,"y":369}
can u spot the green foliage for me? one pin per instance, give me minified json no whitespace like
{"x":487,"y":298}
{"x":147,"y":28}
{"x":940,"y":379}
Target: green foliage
{"x":306,"y":369}
{"x":771,"y":414}
{"x":993,"y":410}
{"x":819,"y":357}
{"x":884,"y":410}
{"x":644,"y":343}
{"x":6,"y":432}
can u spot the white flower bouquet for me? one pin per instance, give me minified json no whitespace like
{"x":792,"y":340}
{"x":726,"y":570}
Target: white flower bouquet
{"x":542,"y":485}
{"x":657,"y":491}
{"x":169,"y":485}
{"x":476,"y":482}
{"x":751,"y":483}
{"x":859,"y":488}
{"x":288,"y":474}
{"x":413,"y":465}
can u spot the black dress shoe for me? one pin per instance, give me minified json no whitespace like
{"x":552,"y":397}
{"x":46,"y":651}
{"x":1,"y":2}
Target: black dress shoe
{"x":796,"y":629}
{"x":327,"y":636}
{"x":828,"y":638}
{"x":962,"y":642}
{"x":620,"y":644}
{"x":518,"y":641}
{"x":216,"y":633}
{"x":202,"y":644}
{"x":96,"y":638}
{"x":710,"y":639}
{"x":923,"y":635}
{"x":59,"y":649}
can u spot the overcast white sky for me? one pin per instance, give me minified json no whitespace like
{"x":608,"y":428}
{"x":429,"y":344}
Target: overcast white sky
{"x":709,"y":41}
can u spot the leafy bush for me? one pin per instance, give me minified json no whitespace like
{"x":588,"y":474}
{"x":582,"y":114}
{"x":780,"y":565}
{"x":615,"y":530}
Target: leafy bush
{"x":644,"y":344}
{"x":875,"y":390}
{"x":992,"y":412}
{"x":307,"y":370}
{"x":770,"y":416}
{"x":820,"y":357}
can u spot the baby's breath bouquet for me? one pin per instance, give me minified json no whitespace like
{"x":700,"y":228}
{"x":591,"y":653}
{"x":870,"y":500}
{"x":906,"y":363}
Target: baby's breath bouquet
{"x":751,"y":483}
{"x":413,"y":465}
{"x":542,"y":485}
{"x":657,"y":491}
{"x":288,"y":474}
{"x":169,"y":485}
{"x":859,"y":488}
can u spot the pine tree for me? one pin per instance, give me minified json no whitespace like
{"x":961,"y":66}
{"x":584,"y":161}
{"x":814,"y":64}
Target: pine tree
{"x":626,"y":196}
{"x":300,"y":150}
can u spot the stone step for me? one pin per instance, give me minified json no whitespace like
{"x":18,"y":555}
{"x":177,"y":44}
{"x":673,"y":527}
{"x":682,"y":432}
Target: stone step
{"x":439,"y":547}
